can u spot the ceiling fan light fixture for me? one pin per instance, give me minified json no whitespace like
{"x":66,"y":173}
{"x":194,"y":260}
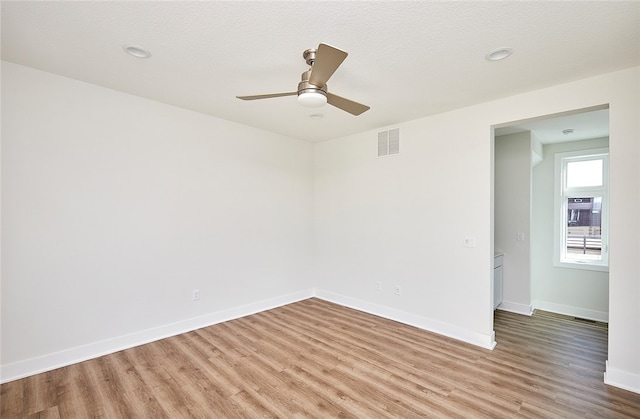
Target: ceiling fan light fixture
{"x":312,"y":99}
{"x":312,"y":89}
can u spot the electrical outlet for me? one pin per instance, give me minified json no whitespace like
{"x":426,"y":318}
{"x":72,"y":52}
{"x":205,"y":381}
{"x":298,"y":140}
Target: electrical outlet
{"x":520,"y":237}
{"x":469,"y":241}
{"x":378,"y":286}
{"x":195,"y":295}
{"x":398,"y":290}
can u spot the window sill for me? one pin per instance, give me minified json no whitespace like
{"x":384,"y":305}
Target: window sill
{"x":582,"y":265}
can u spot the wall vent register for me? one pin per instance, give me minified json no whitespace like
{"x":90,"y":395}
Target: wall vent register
{"x":389,"y":142}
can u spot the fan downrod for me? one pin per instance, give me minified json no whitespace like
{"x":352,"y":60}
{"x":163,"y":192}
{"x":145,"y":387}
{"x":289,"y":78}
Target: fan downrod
{"x":310,"y":56}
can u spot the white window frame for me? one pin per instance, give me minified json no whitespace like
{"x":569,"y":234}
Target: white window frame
{"x":561,"y":196}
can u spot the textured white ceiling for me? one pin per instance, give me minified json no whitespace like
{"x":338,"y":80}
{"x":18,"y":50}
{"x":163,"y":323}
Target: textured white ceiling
{"x":406,"y":59}
{"x":586,"y":125}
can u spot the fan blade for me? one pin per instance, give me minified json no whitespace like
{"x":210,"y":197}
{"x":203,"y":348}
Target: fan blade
{"x":354,"y":108}
{"x":254,"y":97}
{"x":328,"y":59}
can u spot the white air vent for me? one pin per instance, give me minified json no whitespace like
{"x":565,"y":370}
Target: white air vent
{"x":389,"y":142}
{"x":383,"y":143}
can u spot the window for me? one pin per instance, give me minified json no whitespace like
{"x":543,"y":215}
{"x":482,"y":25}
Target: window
{"x":581,"y":205}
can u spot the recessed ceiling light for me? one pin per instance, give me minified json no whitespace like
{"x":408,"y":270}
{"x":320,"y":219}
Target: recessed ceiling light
{"x":136,"y":51}
{"x":316,"y":116}
{"x":499,"y":54}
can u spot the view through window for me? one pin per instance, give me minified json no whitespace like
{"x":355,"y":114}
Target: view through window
{"x":583,"y":205}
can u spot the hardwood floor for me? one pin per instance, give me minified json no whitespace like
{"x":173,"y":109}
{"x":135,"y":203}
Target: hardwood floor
{"x":316,"y":359}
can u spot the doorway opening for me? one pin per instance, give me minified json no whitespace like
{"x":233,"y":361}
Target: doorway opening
{"x":527,"y":216}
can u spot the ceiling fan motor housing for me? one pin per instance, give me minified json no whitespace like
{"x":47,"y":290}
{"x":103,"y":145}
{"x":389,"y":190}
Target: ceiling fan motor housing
{"x":305,"y":87}
{"x":310,"y":95}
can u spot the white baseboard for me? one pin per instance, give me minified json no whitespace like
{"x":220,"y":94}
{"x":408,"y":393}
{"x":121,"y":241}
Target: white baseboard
{"x":518,"y":308}
{"x":622,"y":379}
{"x":70,"y":356}
{"x":28,"y":367}
{"x":579,"y":312}
{"x":430,"y":325}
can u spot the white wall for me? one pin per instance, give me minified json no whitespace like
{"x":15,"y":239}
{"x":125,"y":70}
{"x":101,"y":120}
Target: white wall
{"x":537,"y":150}
{"x":116,"y":207}
{"x":512,"y":199}
{"x":402,"y":220}
{"x":575,"y":292}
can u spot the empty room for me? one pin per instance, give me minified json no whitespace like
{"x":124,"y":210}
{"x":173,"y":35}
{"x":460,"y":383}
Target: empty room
{"x":320,"y":209}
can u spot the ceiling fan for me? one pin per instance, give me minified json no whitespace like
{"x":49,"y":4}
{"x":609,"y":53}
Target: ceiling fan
{"x":312,"y":90}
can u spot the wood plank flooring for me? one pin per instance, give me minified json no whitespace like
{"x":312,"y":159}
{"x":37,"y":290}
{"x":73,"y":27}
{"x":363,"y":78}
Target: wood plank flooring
{"x":314,"y":359}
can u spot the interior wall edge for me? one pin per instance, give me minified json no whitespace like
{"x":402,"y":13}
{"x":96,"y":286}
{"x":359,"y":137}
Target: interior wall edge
{"x":621,"y":379}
